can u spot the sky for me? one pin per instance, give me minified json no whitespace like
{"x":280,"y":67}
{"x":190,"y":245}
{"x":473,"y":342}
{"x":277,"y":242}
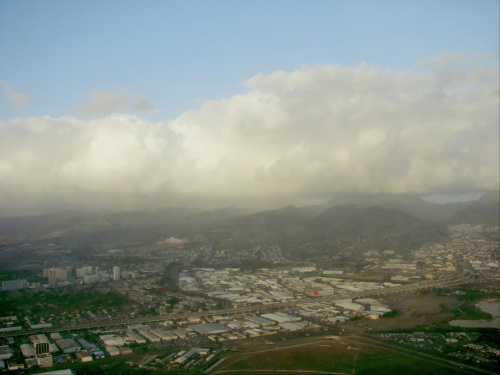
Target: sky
{"x":130,"y":105}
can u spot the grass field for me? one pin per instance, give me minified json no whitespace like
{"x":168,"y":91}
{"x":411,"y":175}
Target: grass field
{"x":341,"y":357}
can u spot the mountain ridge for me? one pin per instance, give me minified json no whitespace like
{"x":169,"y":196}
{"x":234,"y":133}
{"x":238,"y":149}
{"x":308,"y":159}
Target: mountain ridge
{"x":348,"y":213}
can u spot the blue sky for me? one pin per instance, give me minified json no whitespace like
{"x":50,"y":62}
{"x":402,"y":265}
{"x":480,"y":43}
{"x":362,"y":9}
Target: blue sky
{"x":123,"y":104}
{"x":178,"y":54}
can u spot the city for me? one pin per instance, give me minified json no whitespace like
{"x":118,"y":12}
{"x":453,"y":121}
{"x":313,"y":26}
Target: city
{"x":249,"y":187}
{"x":143,"y":308}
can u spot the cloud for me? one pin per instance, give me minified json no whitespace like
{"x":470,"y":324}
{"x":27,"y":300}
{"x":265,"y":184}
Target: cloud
{"x":18,"y":99}
{"x":105,"y":103}
{"x":309,"y":133}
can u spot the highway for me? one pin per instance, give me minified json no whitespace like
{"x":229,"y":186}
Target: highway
{"x":463,"y":278}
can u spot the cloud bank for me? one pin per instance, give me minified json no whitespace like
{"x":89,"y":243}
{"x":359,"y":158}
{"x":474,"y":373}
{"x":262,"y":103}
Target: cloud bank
{"x":312,"y":132}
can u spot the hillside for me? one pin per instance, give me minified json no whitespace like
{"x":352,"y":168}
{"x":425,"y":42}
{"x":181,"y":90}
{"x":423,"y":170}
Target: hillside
{"x":375,"y":221}
{"x":411,"y":204}
{"x":484,"y":211}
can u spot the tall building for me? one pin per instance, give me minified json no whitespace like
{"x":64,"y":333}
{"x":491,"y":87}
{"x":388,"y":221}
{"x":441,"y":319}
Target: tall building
{"x":91,"y":279}
{"x":52,"y":276}
{"x":63,"y":273}
{"x":57,"y":274}
{"x":84,"y":271}
{"x":116,"y":273}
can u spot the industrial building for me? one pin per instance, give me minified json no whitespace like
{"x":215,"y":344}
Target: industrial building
{"x":148,"y":335}
{"x":68,"y":345}
{"x":209,"y":328}
{"x":281,"y":317}
{"x":164,"y":335}
{"x":259,"y":320}
{"x":83,"y":356}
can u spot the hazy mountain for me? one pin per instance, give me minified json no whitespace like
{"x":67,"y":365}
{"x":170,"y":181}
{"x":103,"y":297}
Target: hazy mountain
{"x":411,"y":204}
{"x":294,"y":226}
{"x":346,"y":217}
{"x":95,"y":227}
{"x":352,"y":221}
{"x":271,"y":226}
{"x":486,"y":210}
{"x":491,"y":197}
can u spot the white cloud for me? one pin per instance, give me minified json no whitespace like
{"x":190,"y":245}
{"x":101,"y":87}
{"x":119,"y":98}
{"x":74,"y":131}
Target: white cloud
{"x":105,"y":103}
{"x":18,"y":99}
{"x":308,"y":133}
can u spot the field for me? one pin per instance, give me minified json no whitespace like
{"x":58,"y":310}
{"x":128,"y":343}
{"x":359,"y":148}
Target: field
{"x":344,"y":356}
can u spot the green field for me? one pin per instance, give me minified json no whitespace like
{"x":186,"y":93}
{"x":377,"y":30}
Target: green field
{"x":342,"y":357}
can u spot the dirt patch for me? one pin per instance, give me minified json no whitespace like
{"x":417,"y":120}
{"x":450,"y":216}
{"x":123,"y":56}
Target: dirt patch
{"x":414,"y":310}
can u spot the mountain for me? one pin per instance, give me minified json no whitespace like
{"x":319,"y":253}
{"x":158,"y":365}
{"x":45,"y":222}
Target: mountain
{"x":411,"y":204}
{"x":271,"y":226}
{"x":350,"y":221}
{"x":109,"y":227}
{"x":293,"y":226}
{"x":486,"y":211}
{"x":378,"y":221}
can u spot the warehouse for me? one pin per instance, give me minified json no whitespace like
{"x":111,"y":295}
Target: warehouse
{"x":164,"y":335}
{"x":209,"y":328}
{"x":148,"y":335}
{"x":83,"y":356}
{"x":259,"y":320}
{"x":281,"y":318}
{"x":27,"y":350}
{"x":68,"y":345}
{"x":87,"y":345}
{"x":134,"y":337}
{"x":112,"y":340}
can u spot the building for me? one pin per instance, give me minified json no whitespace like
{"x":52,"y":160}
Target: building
{"x":91,"y":279}
{"x":84,"y":271}
{"x":259,"y":320}
{"x":41,"y":347}
{"x":112,"y":340}
{"x":147,"y":334}
{"x":83,"y":356}
{"x":56,"y":274}
{"x":116,"y":273}
{"x":191,"y":353}
{"x":164,"y":335}
{"x":27,"y":350}
{"x":281,"y":318}
{"x":41,"y":344}
{"x":52,"y":276}
{"x":209,"y":328}
{"x":10,"y":285}
{"x":87,"y":345}
{"x":68,"y":345}
{"x":5,"y":352}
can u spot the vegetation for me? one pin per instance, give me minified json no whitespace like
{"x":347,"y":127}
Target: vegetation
{"x":390,"y":314}
{"x":469,"y":312}
{"x":345,"y":357}
{"x":16,"y":274}
{"x":475,"y":294}
{"x":57,"y":300}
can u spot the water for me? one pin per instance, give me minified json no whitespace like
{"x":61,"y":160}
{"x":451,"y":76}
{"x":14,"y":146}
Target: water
{"x":491,"y":307}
